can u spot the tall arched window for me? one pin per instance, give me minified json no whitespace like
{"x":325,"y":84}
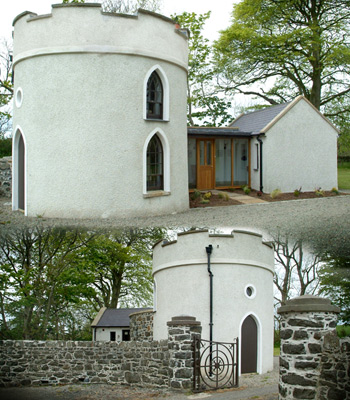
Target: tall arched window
{"x":155,"y":164}
{"x":154,"y":97}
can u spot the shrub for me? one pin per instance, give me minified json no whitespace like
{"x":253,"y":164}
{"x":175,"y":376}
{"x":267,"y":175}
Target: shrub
{"x":319,"y":192}
{"x":297,"y":192}
{"x":5,"y":147}
{"x":224,"y":196}
{"x":275,"y":193}
{"x":246,"y":189}
{"x":207,"y":196}
{"x":335,"y":190}
{"x":196,"y":194}
{"x":204,"y":201}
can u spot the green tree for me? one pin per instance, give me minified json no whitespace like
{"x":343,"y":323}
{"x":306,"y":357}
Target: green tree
{"x":204,"y":102}
{"x":120,"y":267}
{"x":37,"y":280}
{"x":6,"y":88}
{"x":335,"y":283}
{"x":299,"y":47}
{"x":131,"y":6}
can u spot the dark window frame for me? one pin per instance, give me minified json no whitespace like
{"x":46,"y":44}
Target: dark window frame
{"x":155,"y":164}
{"x":155,"y":97}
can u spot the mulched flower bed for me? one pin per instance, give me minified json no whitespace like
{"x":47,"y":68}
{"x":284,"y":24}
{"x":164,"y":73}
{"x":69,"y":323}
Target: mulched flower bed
{"x":215,"y":200}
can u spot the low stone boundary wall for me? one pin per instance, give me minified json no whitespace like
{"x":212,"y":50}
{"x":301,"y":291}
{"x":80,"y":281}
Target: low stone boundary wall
{"x":6,"y":177}
{"x":165,"y":363}
{"x":314,"y":363}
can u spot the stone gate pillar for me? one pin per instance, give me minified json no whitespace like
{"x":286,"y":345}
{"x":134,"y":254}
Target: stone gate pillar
{"x":181,"y":333}
{"x":305,"y":321}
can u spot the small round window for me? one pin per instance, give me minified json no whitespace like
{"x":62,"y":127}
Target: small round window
{"x":250,"y":291}
{"x":19,"y":97}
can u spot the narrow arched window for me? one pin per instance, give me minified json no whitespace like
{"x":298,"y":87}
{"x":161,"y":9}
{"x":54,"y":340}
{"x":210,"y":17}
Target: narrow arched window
{"x":154,"y":97}
{"x":155,"y":164}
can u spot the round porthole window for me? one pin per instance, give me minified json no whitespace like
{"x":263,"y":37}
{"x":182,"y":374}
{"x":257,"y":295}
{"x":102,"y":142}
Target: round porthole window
{"x":19,"y":97}
{"x":250,"y":291}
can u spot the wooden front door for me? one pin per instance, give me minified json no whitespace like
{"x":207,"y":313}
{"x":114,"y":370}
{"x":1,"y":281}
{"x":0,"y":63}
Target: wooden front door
{"x":205,"y":164}
{"x":249,"y":345}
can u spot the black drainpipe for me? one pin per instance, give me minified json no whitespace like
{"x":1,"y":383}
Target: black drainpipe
{"x":209,"y":250}
{"x":261,"y":162}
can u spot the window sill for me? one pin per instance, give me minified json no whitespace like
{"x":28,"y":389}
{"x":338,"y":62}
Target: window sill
{"x":156,"y":193}
{"x":156,"y":119}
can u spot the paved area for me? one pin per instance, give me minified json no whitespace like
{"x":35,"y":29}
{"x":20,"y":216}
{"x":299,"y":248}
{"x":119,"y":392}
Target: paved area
{"x":242,"y":198}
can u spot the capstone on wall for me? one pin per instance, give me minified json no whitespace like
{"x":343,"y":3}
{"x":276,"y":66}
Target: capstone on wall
{"x":80,"y":101}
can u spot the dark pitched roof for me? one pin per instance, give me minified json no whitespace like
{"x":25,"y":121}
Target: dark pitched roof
{"x":256,"y":121}
{"x":115,"y":317}
{"x":214,"y":131}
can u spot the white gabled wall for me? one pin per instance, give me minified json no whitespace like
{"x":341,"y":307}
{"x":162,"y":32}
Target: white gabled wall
{"x":299,"y":150}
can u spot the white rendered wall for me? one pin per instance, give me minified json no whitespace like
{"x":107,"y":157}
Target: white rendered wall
{"x":300,"y":150}
{"x":182,"y":282}
{"x":103,"y":334}
{"x":82,"y":76}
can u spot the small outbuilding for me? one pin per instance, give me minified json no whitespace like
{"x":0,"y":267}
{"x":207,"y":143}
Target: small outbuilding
{"x":113,"y":324}
{"x":288,"y":146}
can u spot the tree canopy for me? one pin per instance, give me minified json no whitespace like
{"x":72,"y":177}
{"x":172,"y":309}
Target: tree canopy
{"x":6,"y":88}
{"x":298,"y":47}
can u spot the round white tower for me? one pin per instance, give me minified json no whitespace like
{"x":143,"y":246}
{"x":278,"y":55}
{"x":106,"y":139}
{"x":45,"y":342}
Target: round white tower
{"x":99,"y":113}
{"x":241,"y":266}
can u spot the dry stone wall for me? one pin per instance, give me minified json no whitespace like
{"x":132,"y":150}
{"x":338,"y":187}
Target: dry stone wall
{"x":165,"y":363}
{"x":314,"y":363}
{"x":5,"y":177}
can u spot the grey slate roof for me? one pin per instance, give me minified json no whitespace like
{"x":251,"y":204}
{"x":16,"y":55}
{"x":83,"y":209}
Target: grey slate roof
{"x":229,"y":131}
{"x":256,"y":121}
{"x":116,"y":317}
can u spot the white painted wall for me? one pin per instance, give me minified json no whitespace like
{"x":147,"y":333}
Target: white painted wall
{"x":182,"y":282}
{"x":300,"y":150}
{"x":82,"y":77}
{"x":103,"y":334}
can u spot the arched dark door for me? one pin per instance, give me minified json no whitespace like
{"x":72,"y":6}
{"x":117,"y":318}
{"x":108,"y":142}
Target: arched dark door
{"x":20,"y":169}
{"x":249,"y":345}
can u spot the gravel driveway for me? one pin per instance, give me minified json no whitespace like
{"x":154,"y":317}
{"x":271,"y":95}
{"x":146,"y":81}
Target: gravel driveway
{"x":324,"y":222}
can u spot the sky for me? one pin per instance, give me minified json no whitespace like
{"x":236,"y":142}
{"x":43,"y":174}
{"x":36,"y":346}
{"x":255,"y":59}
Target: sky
{"x":220,"y":17}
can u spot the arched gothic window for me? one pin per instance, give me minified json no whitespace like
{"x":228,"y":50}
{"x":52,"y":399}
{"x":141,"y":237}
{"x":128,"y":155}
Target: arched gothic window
{"x":154,"y":97}
{"x":155,"y":164}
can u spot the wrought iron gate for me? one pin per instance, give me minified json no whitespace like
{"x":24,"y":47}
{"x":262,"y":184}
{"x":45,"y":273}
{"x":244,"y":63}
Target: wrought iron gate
{"x":215,"y":364}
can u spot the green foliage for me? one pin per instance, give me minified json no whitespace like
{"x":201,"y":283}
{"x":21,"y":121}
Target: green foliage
{"x":6,"y":88}
{"x":275,"y":193}
{"x":246,"y":189}
{"x":335,"y":190}
{"x":224,"y":196}
{"x":196,"y":194}
{"x":5,"y":147}
{"x":207,"y":195}
{"x":205,"y":104}
{"x":319,"y":192}
{"x":297,"y":192}
{"x":296,"y":48}
{"x":343,"y":330}
{"x":335,"y":283}
{"x":344,"y":176}
{"x":205,"y":201}
{"x":73,"y":1}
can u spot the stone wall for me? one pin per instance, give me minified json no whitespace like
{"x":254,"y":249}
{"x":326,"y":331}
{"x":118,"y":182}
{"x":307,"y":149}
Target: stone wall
{"x":5,"y":176}
{"x":165,"y":363}
{"x":314,"y":363}
{"x":141,"y":326}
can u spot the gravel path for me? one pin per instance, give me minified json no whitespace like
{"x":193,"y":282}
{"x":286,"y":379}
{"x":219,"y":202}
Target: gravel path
{"x":324,"y":223}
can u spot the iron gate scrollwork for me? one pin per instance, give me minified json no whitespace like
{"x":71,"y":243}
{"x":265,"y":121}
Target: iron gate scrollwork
{"x":215,"y":364}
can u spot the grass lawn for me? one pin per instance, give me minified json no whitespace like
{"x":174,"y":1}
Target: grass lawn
{"x":344,"y":175}
{"x":276,"y":351}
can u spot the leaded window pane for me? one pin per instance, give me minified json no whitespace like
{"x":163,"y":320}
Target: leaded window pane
{"x":154,"y":97}
{"x":155,"y":164}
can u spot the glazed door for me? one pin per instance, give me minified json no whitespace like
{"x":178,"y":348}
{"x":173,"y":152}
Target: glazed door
{"x":205,"y":164}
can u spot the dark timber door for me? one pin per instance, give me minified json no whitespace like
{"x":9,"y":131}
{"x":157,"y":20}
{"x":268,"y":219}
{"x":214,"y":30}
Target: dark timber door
{"x":205,"y":164}
{"x":249,"y":345}
{"x":20,"y":166}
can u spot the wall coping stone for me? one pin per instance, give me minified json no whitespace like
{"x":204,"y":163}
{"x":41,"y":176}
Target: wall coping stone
{"x":183,"y":320}
{"x":308,"y":303}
